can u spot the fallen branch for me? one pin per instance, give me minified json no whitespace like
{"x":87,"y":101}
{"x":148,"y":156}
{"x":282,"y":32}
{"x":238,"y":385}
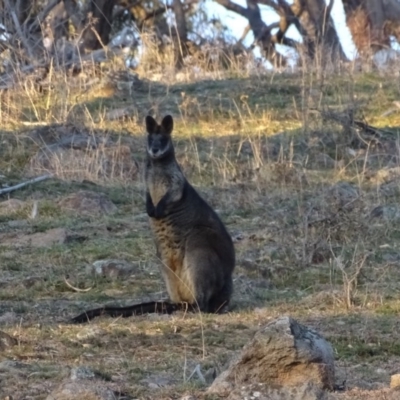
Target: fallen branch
{"x":197,"y":371}
{"x":23,"y":184}
{"x":75,"y":288}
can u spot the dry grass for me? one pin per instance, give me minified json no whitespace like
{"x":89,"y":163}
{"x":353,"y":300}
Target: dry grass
{"x":305,"y":240}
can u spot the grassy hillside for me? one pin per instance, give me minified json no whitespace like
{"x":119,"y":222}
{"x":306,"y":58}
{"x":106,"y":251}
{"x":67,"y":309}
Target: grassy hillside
{"x":303,"y":169}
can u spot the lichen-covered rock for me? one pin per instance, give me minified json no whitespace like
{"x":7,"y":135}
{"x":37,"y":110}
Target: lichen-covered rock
{"x":86,"y":202}
{"x":282,"y":353}
{"x":85,"y":389}
{"x":112,"y":268}
{"x":261,"y":391}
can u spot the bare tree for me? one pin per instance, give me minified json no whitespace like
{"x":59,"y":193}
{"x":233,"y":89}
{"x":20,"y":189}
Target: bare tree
{"x":312,"y":18}
{"x":72,"y":31}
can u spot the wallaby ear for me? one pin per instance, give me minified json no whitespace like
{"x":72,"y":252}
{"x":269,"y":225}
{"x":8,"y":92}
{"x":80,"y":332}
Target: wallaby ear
{"x":151,"y":124}
{"x":168,"y":124}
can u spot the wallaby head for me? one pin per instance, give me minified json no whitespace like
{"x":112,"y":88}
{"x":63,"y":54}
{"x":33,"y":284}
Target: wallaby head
{"x":159,"y":143}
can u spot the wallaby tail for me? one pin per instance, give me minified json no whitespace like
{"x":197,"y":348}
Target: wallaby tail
{"x":159,"y":307}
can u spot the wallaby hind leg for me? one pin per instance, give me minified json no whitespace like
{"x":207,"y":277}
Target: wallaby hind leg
{"x":201,"y":269}
{"x":219,"y":302}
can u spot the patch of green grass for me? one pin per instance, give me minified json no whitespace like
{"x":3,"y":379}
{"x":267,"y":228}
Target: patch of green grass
{"x":358,"y":349}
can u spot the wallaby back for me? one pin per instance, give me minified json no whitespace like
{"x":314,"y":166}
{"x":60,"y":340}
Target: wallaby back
{"x":194,"y":247}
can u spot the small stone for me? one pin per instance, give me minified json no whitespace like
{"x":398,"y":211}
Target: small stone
{"x":15,"y":367}
{"x":86,"y":202}
{"x":10,"y":206}
{"x":89,"y":332}
{"x":112,"y":268}
{"x":387,"y":213}
{"x":39,"y":240}
{"x":7,"y":341}
{"x":8,"y":318}
{"x":210,"y":375}
{"x":82,"y":372}
{"x":325,"y":161}
{"x":395,"y":381}
{"x":77,"y":390}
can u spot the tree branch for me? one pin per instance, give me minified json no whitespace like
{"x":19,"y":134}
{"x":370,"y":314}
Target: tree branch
{"x":18,"y":29}
{"x":72,"y":11}
{"x":23,"y":184}
{"x":231,"y":6}
{"x":42,"y":15}
{"x":269,"y":3}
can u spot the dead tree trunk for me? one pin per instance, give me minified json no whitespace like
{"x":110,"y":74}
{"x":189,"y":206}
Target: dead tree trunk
{"x":319,"y":34}
{"x":180,"y":36}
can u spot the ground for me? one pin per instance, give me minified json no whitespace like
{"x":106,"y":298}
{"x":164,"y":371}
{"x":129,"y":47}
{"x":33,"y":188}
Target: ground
{"x":302,"y":168}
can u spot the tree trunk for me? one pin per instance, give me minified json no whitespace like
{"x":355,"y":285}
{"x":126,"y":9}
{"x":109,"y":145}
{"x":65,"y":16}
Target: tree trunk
{"x":372,"y":22}
{"x":180,"y":37}
{"x":96,"y":35}
{"x":320,"y":33}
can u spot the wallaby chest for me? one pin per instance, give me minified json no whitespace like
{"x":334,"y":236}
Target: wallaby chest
{"x":161,"y":179}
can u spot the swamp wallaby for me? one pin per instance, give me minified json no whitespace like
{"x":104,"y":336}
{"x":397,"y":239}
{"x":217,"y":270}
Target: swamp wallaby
{"x":196,"y":251}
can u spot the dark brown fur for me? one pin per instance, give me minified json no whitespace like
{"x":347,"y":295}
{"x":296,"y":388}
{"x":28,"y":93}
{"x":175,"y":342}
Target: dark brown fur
{"x":196,"y":251}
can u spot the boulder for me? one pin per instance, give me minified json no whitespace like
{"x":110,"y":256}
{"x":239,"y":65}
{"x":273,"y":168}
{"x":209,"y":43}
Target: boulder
{"x":86,"y":202}
{"x":11,"y":205}
{"x":283,"y":353}
{"x":39,"y":240}
{"x":261,"y":391}
{"x":85,"y":389}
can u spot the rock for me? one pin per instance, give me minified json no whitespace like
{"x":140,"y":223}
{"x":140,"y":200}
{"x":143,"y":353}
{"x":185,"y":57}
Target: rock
{"x":18,"y":223}
{"x":119,"y":113}
{"x":82,"y":373}
{"x":339,"y":197}
{"x":343,"y":194}
{"x":323,"y":160}
{"x":306,"y":391}
{"x":158,"y":381}
{"x":390,"y":189}
{"x":39,"y":239}
{"x":8,"y":318}
{"x":210,"y":375}
{"x":282,"y":353}
{"x":11,"y":205}
{"x":90,"y":332}
{"x":58,"y":133}
{"x":7,"y":341}
{"x":86,"y":202}
{"x":112,"y":268}
{"x":395,"y":381}
{"x":387,"y":213}
{"x":15,"y":367}
{"x":85,"y":389}
{"x":32,"y":281}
